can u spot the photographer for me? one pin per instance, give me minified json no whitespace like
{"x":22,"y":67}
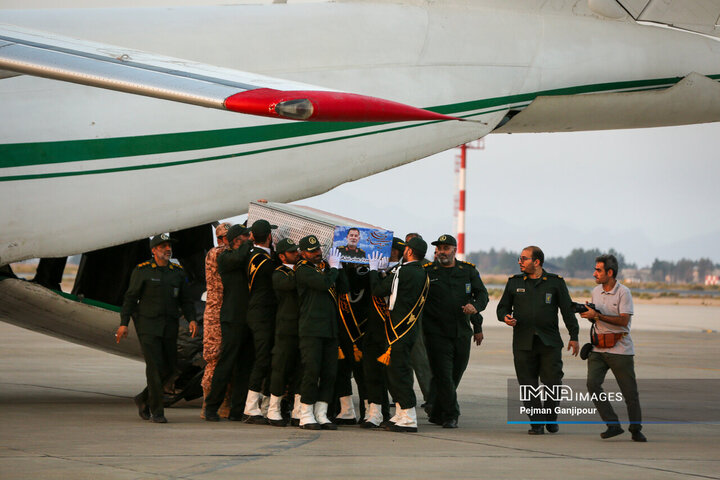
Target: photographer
{"x":612,"y":347}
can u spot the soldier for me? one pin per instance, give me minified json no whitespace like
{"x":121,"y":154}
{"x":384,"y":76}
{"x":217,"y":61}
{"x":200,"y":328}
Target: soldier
{"x":407,"y":286}
{"x":260,"y":317}
{"x":318,"y":330}
{"x":374,"y":345}
{"x":351,"y":249}
{"x":155,"y":295}
{"x":286,"y":352}
{"x":353,"y":309}
{"x":418,"y":355}
{"x":236,"y":349}
{"x":211,"y":317}
{"x":456,"y":294}
{"x":530,"y":305}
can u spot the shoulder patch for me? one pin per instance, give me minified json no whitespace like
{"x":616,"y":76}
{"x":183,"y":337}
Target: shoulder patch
{"x":284,"y":269}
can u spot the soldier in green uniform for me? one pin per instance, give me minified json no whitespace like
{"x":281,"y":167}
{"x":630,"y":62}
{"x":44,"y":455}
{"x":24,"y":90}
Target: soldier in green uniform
{"x":260,"y":317}
{"x":351,"y":249}
{"x":286,"y":351}
{"x":156,"y":294}
{"x":236,"y":349}
{"x":530,"y":305}
{"x":407,"y":288}
{"x":318,"y":331}
{"x":457,"y":295}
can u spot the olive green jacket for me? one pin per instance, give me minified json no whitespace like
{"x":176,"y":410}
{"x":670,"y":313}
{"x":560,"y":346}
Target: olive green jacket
{"x":317,"y":293}
{"x":288,"y":310}
{"x":451,"y":288}
{"x":156,"y":295}
{"x":534,"y":303}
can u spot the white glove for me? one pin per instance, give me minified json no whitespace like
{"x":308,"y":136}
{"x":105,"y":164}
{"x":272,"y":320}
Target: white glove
{"x":384,"y":262}
{"x":333,"y":258}
{"x":374,"y":260}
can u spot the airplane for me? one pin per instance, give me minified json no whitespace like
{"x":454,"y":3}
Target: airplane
{"x":121,"y":123}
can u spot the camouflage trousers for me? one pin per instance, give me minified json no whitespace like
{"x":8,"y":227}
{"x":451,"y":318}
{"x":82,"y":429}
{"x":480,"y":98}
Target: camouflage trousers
{"x":212,"y":338}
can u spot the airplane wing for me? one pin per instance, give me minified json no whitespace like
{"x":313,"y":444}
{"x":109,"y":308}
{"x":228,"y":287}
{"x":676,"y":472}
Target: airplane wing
{"x":699,"y":16}
{"x":42,"y":54}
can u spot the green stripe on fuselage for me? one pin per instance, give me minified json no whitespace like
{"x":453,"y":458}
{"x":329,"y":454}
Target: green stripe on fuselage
{"x":43,"y":153}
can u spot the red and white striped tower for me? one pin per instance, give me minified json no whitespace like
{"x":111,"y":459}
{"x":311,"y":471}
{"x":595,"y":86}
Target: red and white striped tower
{"x":460,"y":205}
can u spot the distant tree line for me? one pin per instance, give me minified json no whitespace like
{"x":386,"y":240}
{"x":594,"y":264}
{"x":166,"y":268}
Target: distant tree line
{"x":682,"y":271}
{"x":578,"y":263}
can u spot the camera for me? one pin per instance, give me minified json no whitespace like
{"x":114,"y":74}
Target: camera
{"x":581,"y":307}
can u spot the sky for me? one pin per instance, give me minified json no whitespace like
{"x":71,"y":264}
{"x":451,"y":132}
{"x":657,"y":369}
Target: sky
{"x":648,"y":193}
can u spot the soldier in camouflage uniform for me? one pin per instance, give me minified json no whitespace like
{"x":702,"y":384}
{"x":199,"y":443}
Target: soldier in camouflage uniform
{"x":211,"y":317}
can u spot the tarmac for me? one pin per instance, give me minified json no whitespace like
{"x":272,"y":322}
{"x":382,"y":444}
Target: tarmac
{"x":66,"y":411}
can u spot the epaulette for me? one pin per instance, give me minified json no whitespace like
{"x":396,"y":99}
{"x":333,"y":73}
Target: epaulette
{"x":284,"y":269}
{"x":144,"y":264}
{"x":548,"y":274}
{"x":519,"y":275}
{"x":173,"y":265}
{"x":428,"y":264}
{"x":301,"y":262}
{"x":469,"y":263}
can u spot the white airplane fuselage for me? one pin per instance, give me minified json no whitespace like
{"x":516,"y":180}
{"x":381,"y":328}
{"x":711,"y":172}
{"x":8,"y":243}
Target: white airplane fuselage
{"x":83,"y":168}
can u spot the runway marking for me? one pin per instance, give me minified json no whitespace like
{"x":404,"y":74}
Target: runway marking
{"x":65,"y":389}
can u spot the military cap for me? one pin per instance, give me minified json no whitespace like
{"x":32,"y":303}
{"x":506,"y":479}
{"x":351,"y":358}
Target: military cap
{"x":235,"y":231}
{"x":222,"y":229}
{"x":309,"y":243}
{"x":418,"y":246}
{"x":286,"y":245}
{"x":445,"y":240}
{"x":162,"y":238}
{"x":262,"y":227}
{"x":398,"y":244}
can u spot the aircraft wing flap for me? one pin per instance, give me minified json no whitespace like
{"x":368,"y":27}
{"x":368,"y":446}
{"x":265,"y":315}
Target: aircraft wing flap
{"x":42,"y":54}
{"x":694,"y":99}
{"x":700,"y":16}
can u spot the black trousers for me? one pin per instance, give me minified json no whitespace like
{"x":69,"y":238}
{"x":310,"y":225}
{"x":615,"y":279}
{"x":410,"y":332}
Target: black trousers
{"x":448,"y":361}
{"x":286,"y":369}
{"x":160,"y":354}
{"x":348,"y":369}
{"x":543,"y":362}
{"x":374,"y":372}
{"x":319,"y":363}
{"x":400,"y":372}
{"x":234,"y":365}
{"x":263,"y":333}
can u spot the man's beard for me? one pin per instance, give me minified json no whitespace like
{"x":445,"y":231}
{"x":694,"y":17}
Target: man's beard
{"x":444,"y":259}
